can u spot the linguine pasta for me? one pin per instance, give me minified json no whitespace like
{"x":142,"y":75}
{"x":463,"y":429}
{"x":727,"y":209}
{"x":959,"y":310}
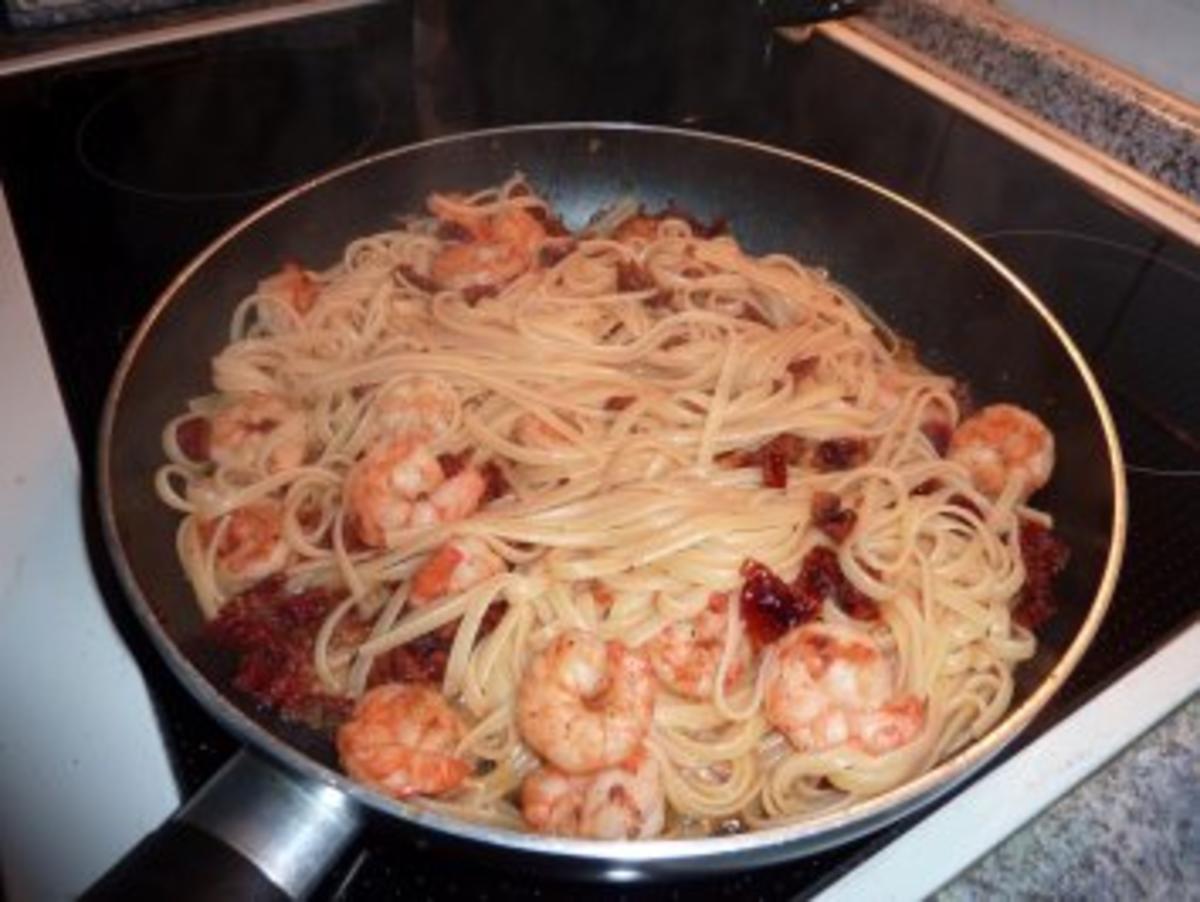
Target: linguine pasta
{"x":685,"y":450}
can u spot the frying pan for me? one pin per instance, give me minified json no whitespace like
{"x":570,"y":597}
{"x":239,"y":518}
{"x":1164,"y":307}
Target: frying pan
{"x":280,"y":812}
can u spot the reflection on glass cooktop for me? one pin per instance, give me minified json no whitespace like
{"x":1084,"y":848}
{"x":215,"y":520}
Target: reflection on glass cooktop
{"x":130,"y":166}
{"x":230,"y":124}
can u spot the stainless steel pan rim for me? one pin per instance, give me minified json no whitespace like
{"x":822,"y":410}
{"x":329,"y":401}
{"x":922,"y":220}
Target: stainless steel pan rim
{"x":762,"y":846}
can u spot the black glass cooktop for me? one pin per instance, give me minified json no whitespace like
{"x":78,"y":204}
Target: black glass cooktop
{"x":128,"y":166}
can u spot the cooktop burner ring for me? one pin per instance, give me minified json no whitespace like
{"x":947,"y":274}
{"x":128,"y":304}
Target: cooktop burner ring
{"x":1138,"y":369}
{"x":238,"y":124}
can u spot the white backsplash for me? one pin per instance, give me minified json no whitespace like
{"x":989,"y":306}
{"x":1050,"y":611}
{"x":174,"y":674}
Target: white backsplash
{"x":1157,"y":39}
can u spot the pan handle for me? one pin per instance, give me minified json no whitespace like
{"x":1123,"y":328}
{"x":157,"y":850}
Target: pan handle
{"x":778,"y":13}
{"x":252,"y":832}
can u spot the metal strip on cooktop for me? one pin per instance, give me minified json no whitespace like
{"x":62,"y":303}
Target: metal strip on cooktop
{"x":1136,"y":193}
{"x":155,"y":35}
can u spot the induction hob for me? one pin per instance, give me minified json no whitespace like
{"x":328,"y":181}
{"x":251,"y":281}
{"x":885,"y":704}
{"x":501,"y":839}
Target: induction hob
{"x":129,"y":165}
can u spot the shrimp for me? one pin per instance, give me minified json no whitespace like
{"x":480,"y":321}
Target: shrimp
{"x":455,"y":499}
{"x":254,"y":426}
{"x":585,"y":704}
{"x":382,"y":489}
{"x":686,"y":654}
{"x":532,"y":431}
{"x":502,"y":246}
{"x":455,"y":567}
{"x":622,"y":802}
{"x":422,"y":409}
{"x":402,"y":740}
{"x":288,"y":294}
{"x":829,"y":687}
{"x":1003,"y":442}
{"x":293,"y":285}
{"x":251,"y":545}
{"x":637,"y":228}
{"x":399,"y":483}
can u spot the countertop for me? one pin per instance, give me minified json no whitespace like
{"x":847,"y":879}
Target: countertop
{"x":1082,"y":98}
{"x":1131,"y":831}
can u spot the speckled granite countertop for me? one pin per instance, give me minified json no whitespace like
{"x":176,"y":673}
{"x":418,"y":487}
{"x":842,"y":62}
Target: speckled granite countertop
{"x":1132,"y":831}
{"x":1154,"y":133}
{"x":129,"y":18}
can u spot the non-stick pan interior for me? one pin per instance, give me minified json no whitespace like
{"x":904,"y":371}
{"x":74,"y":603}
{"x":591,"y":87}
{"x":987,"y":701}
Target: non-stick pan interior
{"x":965,"y":315}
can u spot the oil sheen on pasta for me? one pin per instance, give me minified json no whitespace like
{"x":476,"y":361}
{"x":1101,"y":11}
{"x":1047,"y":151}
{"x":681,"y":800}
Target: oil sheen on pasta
{"x":614,"y":533}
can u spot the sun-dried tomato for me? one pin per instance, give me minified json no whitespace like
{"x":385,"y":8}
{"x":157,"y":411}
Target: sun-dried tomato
{"x":473,"y":294}
{"x":735,"y":459}
{"x":752,"y":314}
{"x":452,"y":231}
{"x":552,"y":225}
{"x":453,"y":464}
{"x":821,"y":579}
{"x":553,"y":253}
{"x":1045,"y":556}
{"x":928,"y":487}
{"x":774,"y":468}
{"x":634,"y":277}
{"x":774,"y":457}
{"x":618,"y":402}
{"x":417,"y":280}
{"x":831,"y":518}
{"x":839,"y":454}
{"x":802,"y":367}
{"x":769,"y":606}
{"x":939,"y":433}
{"x":494,"y":481}
{"x":424,"y":659}
{"x":194,"y":437}
{"x":272,"y":630}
